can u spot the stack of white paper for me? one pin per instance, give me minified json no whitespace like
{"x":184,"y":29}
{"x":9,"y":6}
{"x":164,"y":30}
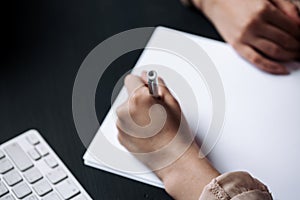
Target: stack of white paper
{"x":261,"y":133}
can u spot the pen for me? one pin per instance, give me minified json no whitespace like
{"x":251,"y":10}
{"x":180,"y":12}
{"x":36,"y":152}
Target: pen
{"x":153,"y":83}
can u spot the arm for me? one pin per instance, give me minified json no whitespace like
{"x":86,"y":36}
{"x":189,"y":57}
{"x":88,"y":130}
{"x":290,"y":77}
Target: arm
{"x":186,"y":178}
{"x":185,"y":174}
{"x":179,"y":166}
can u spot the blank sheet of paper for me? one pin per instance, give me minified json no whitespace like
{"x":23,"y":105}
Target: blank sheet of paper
{"x":261,"y":132}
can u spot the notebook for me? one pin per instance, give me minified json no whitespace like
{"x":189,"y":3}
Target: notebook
{"x":261,"y":129}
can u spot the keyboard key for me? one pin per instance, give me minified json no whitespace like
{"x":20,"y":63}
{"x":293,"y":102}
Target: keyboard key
{"x":31,"y":197}
{"x":67,"y":189}
{"x":12,"y":178}
{"x":5,"y":165}
{"x":56,"y":175}
{"x":52,"y":196}
{"x":3,"y":189}
{"x":32,"y":139}
{"x":79,"y":197}
{"x":34,"y":155}
{"x":18,"y":156}
{"x":7,"y":197}
{"x":33,"y":175}
{"x":21,"y":190}
{"x":42,"y":188}
{"x":30,"y":170}
{"x":51,"y":162}
{"x":42,"y":149}
{"x":1,"y":154}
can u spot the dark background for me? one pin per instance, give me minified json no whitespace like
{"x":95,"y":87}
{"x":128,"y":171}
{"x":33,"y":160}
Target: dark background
{"x":43,"y":44}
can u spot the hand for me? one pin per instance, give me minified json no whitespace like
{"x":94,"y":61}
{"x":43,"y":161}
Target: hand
{"x":262,"y":31}
{"x":155,"y":131}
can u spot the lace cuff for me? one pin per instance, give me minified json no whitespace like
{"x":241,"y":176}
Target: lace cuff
{"x":235,"y":186}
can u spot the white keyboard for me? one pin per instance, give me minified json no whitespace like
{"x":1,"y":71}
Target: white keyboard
{"x":30,"y":170}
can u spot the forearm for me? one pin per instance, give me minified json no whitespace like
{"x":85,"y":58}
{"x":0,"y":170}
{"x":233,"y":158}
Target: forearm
{"x":205,"y":6}
{"x":198,"y":4}
{"x":194,"y":178}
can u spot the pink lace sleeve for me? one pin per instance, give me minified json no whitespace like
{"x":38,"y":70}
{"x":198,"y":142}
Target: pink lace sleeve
{"x":235,"y":186}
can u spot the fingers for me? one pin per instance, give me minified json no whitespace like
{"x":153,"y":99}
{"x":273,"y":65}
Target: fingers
{"x":273,"y":50}
{"x":289,"y":9}
{"x":133,"y":83}
{"x":278,"y":36}
{"x":261,"y":62}
{"x":145,"y":79}
{"x":122,"y":110}
{"x":280,"y":20}
{"x":164,"y":91}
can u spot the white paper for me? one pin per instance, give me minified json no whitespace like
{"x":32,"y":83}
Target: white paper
{"x":261,"y":133}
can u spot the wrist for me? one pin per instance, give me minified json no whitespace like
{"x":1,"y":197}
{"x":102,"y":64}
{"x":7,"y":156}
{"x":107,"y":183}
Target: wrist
{"x":186,"y":177}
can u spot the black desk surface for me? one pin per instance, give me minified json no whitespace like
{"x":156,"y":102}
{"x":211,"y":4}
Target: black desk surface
{"x":42,"y":47}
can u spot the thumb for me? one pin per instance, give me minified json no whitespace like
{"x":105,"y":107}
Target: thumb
{"x":288,"y":8}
